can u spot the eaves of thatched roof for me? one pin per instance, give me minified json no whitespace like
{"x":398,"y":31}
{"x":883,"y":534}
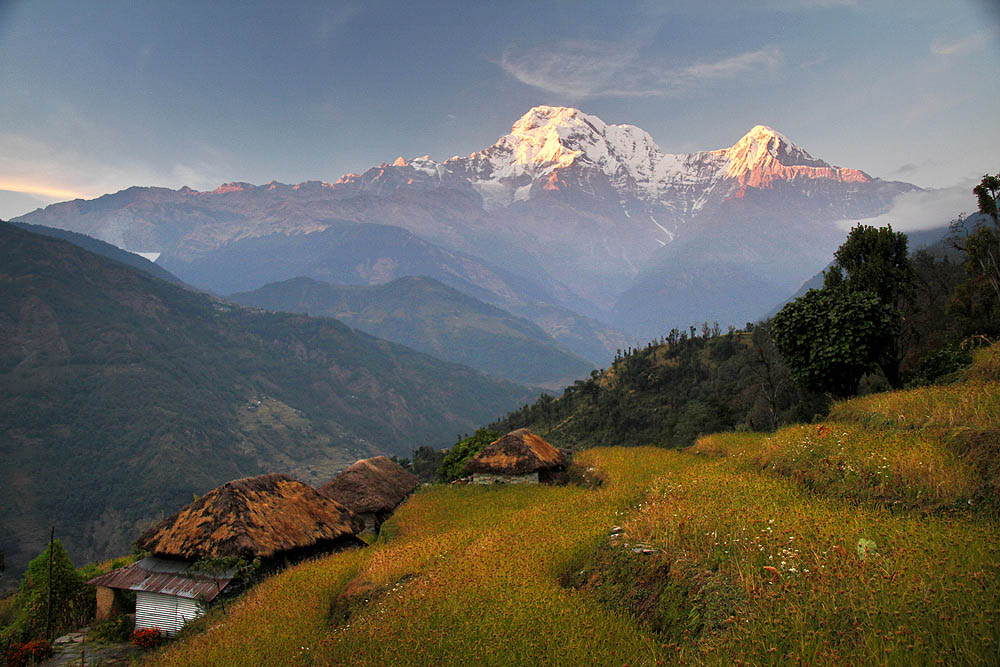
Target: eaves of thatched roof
{"x":253,"y":517}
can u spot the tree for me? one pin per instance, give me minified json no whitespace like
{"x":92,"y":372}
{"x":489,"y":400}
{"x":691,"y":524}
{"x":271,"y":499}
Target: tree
{"x":830,"y":338}
{"x":876,"y":260}
{"x":976,"y":304}
{"x":223,"y":569}
{"x":70,"y":602}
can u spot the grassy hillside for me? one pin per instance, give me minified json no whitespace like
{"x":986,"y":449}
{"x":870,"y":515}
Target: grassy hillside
{"x":871,"y":538}
{"x":430,"y":317}
{"x":122,"y":395}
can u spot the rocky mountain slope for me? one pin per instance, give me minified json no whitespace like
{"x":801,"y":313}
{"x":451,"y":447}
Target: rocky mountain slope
{"x":121,"y":395}
{"x":597,"y":213}
{"x":430,"y":317}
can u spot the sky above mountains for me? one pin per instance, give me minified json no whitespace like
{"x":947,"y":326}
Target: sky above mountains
{"x":101,"y":96}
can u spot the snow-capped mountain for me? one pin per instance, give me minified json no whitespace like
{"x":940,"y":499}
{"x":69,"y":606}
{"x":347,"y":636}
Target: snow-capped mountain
{"x":596,"y":213}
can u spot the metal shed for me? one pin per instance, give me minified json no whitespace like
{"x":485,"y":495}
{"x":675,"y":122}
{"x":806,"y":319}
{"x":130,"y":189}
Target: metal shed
{"x":168,"y":592}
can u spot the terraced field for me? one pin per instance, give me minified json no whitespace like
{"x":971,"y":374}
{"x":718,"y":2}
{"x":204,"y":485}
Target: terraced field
{"x":872,"y":538}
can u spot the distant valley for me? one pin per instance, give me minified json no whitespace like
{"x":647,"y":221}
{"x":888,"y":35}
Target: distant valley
{"x":435,"y":319}
{"x":122,"y":394}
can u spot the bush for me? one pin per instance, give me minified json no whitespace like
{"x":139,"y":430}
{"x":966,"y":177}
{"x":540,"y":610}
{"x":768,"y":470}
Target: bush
{"x":453,"y":466}
{"x":147,"y":638}
{"x":34,"y":652}
{"x":115,"y":629}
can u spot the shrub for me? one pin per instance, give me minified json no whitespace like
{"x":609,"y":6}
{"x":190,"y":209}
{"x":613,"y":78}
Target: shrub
{"x":115,"y":629}
{"x":33,"y":652}
{"x":147,"y":638}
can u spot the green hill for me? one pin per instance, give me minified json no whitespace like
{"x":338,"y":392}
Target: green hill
{"x":671,"y":391}
{"x":433,"y":318}
{"x":122,"y":395}
{"x":871,"y":538}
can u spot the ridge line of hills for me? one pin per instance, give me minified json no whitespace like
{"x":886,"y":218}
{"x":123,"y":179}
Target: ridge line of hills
{"x":122,"y":394}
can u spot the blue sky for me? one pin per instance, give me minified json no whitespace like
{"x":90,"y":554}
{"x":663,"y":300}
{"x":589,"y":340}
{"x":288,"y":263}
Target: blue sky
{"x":102,"y":95}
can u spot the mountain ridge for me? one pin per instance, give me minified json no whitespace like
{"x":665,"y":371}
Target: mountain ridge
{"x":433,"y":318}
{"x":122,"y":394}
{"x":586,"y":208}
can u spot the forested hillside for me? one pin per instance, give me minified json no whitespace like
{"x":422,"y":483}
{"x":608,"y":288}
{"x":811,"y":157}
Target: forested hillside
{"x":122,"y":395}
{"x":671,"y":391}
{"x":431,"y":317}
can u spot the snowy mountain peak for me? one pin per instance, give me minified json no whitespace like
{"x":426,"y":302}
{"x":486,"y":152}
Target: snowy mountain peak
{"x":761,"y":146}
{"x":764,"y":155}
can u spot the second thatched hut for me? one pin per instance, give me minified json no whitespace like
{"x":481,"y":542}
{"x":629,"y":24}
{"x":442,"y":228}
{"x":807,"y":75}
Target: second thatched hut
{"x":520,"y":457}
{"x":372,"y":489}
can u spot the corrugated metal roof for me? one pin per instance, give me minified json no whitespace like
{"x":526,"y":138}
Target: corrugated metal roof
{"x":170,"y":577}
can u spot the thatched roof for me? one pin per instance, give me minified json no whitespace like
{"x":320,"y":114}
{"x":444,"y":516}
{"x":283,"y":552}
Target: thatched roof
{"x":371,"y":485}
{"x":517,"y":453}
{"x":253,"y":517}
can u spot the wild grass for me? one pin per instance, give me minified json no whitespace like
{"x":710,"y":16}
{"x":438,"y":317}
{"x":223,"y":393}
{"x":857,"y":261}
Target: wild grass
{"x":966,"y":405}
{"x":847,"y":542}
{"x":889,"y":466}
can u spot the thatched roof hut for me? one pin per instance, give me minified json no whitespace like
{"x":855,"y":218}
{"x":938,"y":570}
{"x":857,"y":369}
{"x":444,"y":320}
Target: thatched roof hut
{"x":266,"y":517}
{"x":371,"y":488}
{"x":519,"y":456}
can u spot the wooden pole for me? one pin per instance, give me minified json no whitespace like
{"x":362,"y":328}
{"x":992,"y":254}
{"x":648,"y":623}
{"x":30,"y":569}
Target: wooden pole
{"x":48,"y":606}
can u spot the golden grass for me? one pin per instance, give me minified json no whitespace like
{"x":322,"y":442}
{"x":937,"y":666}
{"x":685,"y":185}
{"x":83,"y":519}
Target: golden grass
{"x":848,"y":542}
{"x":974,"y":405}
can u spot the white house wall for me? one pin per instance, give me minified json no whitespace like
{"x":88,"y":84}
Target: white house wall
{"x":166,"y":612}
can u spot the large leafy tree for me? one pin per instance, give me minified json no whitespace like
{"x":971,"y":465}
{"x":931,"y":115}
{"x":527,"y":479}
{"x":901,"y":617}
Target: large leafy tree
{"x":876,"y":260}
{"x":51,"y":594}
{"x":976,"y":305}
{"x":831,"y":337}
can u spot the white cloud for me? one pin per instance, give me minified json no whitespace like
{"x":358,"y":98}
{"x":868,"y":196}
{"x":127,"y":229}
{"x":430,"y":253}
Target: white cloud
{"x":923,"y":209}
{"x":581,"y":69}
{"x":764,"y":58}
{"x":941,"y":47}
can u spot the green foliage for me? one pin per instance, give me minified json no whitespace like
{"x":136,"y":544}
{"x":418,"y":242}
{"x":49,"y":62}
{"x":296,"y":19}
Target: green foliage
{"x":830,"y":338}
{"x":71,"y":599}
{"x":116,"y":629}
{"x":453,"y":465}
{"x":872,"y":259}
{"x":976,"y":305}
{"x":671,"y":391}
{"x":876,"y":260}
{"x":235,"y":569}
{"x":986,"y":193}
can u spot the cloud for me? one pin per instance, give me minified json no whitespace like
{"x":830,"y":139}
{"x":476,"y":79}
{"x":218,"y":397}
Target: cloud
{"x":765,"y":58}
{"x":55,"y":172}
{"x":923,"y":209}
{"x":907,"y":168}
{"x":940,"y":47}
{"x":580,"y":69}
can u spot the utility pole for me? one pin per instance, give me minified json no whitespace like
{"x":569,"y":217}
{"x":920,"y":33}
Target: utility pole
{"x":48,"y":606}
